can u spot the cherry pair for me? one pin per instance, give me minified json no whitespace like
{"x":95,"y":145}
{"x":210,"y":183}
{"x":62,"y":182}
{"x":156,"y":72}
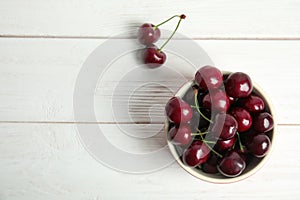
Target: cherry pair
{"x":148,"y":34}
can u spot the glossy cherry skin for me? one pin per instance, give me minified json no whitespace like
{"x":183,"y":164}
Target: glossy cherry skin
{"x":224,"y":145}
{"x":260,"y":145}
{"x":196,"y":154}
{"x":252,"y":103}
{"x":224,"y":126}
{"x":178,"y":111}
{"x":243,"y":153}
{"x":180,"y":135}
{"x":148,"y":34}
{"x":238,"y":85}
{"x":263,"y":122}
{"x":208,"y":77}
{"x":242,"y":117}
{"x":231,"y":165}
{"x":153,"y":57}
{"x":231,"y":100}
{"x":210,"y":166}
{"x":216,"y":100}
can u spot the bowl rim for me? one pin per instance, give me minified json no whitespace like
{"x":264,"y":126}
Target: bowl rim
{"x":180,"y":93}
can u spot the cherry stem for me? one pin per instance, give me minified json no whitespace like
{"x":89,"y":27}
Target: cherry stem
{"x":166,"y":42}
{"x":197,"y":106}
{"x":240,"y":143}
{"x":156,"y":26}
{"x":212,"y":149}
{"x":207,"y":144}
{"x":199,"y":133}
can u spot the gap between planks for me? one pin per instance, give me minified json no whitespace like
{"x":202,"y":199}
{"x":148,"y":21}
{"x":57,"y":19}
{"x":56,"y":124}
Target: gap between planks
{"x":104,"y":37}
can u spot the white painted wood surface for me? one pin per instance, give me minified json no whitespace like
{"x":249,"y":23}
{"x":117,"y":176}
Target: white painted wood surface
{"x":41,"y":156}
{"x":220,"y":18}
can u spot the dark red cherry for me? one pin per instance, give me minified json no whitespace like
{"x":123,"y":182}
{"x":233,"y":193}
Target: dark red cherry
{"x":263,"y":122}
{"x":231,"y":165}
{"x":224,"y":126}
{"x":243,"y":153}
{"x":178,"y":111}
{"x":252,"y":103}
{"x":216,"y":100}
{"x":148,"y":34}
{"x":196,"y":154}
{"x":224,"y":145}
{"x":238,"y":85}
{"x":210,"y":166}
{"x":208,"y":77}
{"x":231,"y":100}
{"x":180,"y":135}
{"x":153,"y":57}
{"x":242,"y":117}
{"x":247,"y":137}
{"x":260,"y":145}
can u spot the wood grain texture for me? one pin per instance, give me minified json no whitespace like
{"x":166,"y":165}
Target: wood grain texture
{"x":38,"y":77}
{"x":205,"y":19}
{"x":43,"y":46}
{"x":48,"y":161}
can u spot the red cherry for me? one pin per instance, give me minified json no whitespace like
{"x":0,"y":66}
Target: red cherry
{"x":231,"y":100}
{"x":225,"y":145}
{"x":263,"y":122}
{"x":180,"y":135}
{"x":153,"y":57}
{"x":242,"y":117}
{"x":224,"y":126}
{"x":178,"y":111}
{"x":260,"y":145}
{"x":231,"y":165}
{"x":210,"y":166}
{"x":208,"y":77}
{"x":243,"y":153}
{"x":148,"y":34}
{"x":156,"y":57}
{"x":196,"y":154}
{"x":216,"y":100}
{"x":252,"y":103}
{"x":238,"y":85}
{"x":247,"y":137}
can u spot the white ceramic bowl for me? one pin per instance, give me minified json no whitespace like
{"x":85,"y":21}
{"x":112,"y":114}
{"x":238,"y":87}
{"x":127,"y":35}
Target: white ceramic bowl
{"x":251,"y":168}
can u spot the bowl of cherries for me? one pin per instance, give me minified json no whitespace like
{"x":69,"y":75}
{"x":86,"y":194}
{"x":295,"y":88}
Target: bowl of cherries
{"x":220,"y":126}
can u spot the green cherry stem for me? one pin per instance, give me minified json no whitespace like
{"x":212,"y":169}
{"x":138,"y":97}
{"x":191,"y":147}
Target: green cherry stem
{"x":212,"y":149}
{"x":240,"y":143}
{"x":156,"y":26}
{"x":199,"y":133}
{"x":166,"y":42}
{"x":207,"y":144}
{"x":197,"y":106}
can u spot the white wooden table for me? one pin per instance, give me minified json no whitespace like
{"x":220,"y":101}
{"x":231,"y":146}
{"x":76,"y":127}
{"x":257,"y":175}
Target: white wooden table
{"x":43,"y":45}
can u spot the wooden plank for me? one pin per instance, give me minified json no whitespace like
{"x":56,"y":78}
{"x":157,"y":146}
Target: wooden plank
{"x":205,"y":19}
{"x":47,"y":161}
{"x":37,"y":78}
